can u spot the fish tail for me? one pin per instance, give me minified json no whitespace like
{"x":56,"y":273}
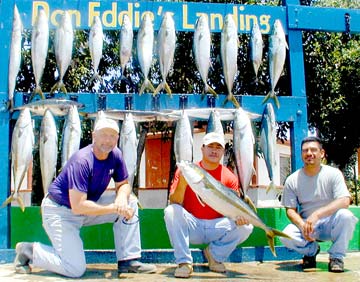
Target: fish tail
{"x":250,"y":203}
{"x":271,"y":187}
{"x":277,"y":103}
{"x":270,"y":234}
{"x":268,"y":96}
{"x":55,"y":87}
{"x":232,"y":98}
{"x":8,"y":200}
{"x":21,"y":203}
{"x":159,"y":88}
{"x":168,"y":89}
{"x":37,"y":91}
{"x":209,"y":89}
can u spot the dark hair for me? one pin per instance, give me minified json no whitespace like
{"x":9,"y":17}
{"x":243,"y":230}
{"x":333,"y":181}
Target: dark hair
{"x":312,"y":139}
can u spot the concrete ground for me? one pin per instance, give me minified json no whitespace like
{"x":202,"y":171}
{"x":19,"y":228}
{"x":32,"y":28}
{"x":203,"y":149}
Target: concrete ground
{"x":247,"y":271}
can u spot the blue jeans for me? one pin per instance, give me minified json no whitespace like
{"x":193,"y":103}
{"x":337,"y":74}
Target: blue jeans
{"x":338,"y":228}
{"x":221,"y":234}
{"x":66,"y":256}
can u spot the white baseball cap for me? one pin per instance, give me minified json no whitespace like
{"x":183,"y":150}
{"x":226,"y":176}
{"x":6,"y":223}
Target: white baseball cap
{"x":214,"y":137}
{"x":106,"y":123}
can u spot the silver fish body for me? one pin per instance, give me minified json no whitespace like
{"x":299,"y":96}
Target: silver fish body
{"x":39,"y":47}
{"x":183,"y":139}
{"x":144,"y":47}
{"x":96,"y":38}
{"x":223,"y":199}
{"x":48,"y":147}
{"x":277,"y":57}
{"x":128,"y":144}
{"x":166,"y":41}
{"x":58,"y":107}
{"x":22,"y":143}
{"x":126,"y":41}
{"x":268,"y":141}
{"x":64,"y":37}
{"x":15,"y":54}
{"x":71,"y":135}
{"x":201,"y":50}
{"x":229,"y":54}
{"x":243,"y":147}
{"x":256,"y":48}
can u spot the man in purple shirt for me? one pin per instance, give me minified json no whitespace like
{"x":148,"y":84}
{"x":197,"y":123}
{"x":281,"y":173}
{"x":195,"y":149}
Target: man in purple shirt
{"x":76,"y":198}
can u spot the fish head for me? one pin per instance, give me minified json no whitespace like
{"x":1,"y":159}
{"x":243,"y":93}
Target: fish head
{"x":190,"y":172}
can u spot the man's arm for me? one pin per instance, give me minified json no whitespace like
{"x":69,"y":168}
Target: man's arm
{"x":81,"y":205}
{"x":177,"y":196}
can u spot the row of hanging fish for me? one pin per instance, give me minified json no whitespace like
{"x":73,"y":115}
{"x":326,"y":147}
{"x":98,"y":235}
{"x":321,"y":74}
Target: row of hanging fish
{"x":145,"y":41}
{"x":243,"y":142}
{"x":22,"y":144}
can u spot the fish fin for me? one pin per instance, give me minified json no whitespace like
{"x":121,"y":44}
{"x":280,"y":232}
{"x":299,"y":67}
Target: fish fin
{"x":200,"y":201}
{"x":250,"y":203}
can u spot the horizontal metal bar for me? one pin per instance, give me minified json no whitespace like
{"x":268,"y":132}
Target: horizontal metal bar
{"x":322,"y":19}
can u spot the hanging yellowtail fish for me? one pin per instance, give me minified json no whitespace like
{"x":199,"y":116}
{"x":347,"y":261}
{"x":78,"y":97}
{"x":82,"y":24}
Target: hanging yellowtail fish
{"x":243,"y":147}
{"x":277,"y":56}
{"x":126,"y":42}
{"x":201,"y":50}
{"x":48,"y":147}
{"x":229,"y":53}
{"x":71,"y":135}
{"x":223,"y":199}
{"x":22,"y":143}
{"x":256,"y":48}
{"x":145,"y":46}
{"x":64,"y":37}
{"x":39,"y":49}
{"x":166,"y":41}
{"x":268,"y":142}
{"x":128,"y":144}
{"x":183,"y":139}
{"x":96,"y":38}
{"x":15,"y":55}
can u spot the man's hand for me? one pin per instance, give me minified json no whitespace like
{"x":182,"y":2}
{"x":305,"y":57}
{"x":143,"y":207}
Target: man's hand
{"x":240,"y":220}
{"x":308,"y":227}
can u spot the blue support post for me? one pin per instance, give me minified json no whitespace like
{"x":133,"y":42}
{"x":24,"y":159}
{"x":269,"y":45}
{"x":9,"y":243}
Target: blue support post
{"x":299,"y":126}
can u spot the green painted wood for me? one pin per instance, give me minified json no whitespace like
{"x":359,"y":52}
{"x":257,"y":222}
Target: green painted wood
{"x":27,"y":226}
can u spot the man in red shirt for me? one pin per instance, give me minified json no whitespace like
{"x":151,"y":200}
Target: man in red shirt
{"x":190,"y":221}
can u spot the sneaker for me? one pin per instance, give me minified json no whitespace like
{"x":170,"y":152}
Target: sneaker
{"x":336,"y":265}
{"x":183,"y":270}
{"x":135,"y":266}
{"x":22,"y":258}
{"x":309,"y":262}
{"x":213,"y":264}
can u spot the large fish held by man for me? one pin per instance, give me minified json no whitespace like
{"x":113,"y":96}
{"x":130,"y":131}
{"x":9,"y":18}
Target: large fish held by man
{"x":224,"y":200}
{"x":22,"y":143}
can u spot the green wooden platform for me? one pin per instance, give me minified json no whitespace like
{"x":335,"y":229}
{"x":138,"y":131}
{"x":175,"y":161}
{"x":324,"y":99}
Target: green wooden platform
{"x":27,"y":226}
